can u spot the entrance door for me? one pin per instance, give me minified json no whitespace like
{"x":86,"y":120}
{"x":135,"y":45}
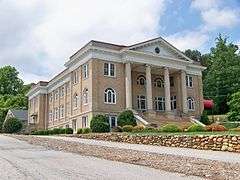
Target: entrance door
{"x":74,"y":125}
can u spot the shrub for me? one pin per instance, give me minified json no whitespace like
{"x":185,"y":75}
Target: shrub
{"x":234,"y":106}
{"x":204,"y":118}
{"x":170,"y":128}
{"x":99,"y":124}
{"x":68,"y":131}
{"x":62,"y":131}
{"x":56,"y":131}
{"x":196,"y":128}
{"x":235,"y":129}
{"x":79,"y":131}
{"x":215,"y":127}
{"x":127,"y":128}
{"x":126,"y":118}
{"x":86,"y":130}
{"x":138,"y":128}
{"x":117,"y":129}
{"x":12,"y":125}
{"x":150,"y":129}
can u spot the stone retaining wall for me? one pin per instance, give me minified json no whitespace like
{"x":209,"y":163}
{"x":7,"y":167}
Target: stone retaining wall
{"x":229,"y":143}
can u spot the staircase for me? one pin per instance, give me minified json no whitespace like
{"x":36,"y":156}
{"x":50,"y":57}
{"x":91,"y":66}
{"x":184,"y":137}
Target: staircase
{"x":157,"y":119}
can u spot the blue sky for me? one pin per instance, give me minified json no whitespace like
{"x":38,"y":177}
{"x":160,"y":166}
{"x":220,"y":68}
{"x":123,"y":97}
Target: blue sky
{"x":38,"y":37}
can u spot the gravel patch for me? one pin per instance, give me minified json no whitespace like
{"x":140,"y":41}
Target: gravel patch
{"x":209,"y":169}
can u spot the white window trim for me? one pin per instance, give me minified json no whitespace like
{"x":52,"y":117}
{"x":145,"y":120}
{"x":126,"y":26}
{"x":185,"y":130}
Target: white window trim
{"x":75,"y":97}
{"x":110,"y":122}
{"x":85,"y":97}
{"x":193,"y":101}
{"x":87,"y":71}
{"x":86,"y":125}
{"x":109,"y":70}
{"x":188,"y":81}
{"x":61,"y":108}
{"x":162,"y":101}
{"x":138,"y":97}
{"x":115,"y":94}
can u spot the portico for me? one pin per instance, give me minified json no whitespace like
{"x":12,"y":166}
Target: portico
{"x":151,"y":90}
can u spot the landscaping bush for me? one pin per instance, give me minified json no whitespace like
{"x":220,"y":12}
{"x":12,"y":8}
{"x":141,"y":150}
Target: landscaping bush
{"x":150,"y":130}
{"x":127,"y":128}
{"x":235,"y":129}
{"x":79,"y":131}
{"x":126,"y":118}
{"x":138,"y":128}
{"x":68,"y":131}
{"x":86,"y":130}
{"x":99,"y":124}
{"x":204,"y":118}
{"x":12,"y":125}
{"x":117,"y":129}
{"x":196,"y":128}
{"x":56,"y":131}
{"x":62,"y":131}
{"x":215,"y":127}
{"x":170,"y":128}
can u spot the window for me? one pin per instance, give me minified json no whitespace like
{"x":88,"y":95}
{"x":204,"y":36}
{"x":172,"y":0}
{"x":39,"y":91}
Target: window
{"x":50,"y":115}
{"x":189,"y":81}
{"x":50,"y":97}
{"x":110,"y":96}
{"x":171,"y":81}
{"x":160,"y":103}
{"x":112,"y":121}
{"x":191,"y":103}
{"x":56,"y":113}
{"x":173,"y":102}
{"x":62,"y":91}
{"x":85,"y":71}
{"x":68,"y":108}
{"x":56,"y":95}
{"x":75,"y":101}
{"x":157,"y":50}
{"x":75,"y":77}
{"x":85,"y":96}
{"x":61,"y":111}
{"x":141,"y":80}
{"x":84,"y":121}
{"x":159,"y":82}
{"x":141,"y":102}
{"x":109,"y":69}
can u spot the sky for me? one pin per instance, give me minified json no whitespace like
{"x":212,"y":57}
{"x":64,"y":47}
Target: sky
{"x":38,"y":36}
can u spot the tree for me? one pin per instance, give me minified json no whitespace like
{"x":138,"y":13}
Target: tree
{"x":221,"y":79}
{"x":194,"y":55}
{"x":99,"y":124}
{"x":234,"y":106}
{"x":9,"y":81}
{"x":126,"y":118}
{"x":12,"y":125}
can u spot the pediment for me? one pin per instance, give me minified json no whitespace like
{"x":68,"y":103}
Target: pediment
{"x":159,"y":47}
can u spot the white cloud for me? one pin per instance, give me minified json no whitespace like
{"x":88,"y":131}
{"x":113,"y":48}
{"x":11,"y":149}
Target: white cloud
{"x":188,"y":40}
{"x":48,"y":32}
{"x":205,"y":4}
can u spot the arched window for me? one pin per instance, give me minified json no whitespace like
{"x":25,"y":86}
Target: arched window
{"x":191,"y":103}
{"x":75,"y":100}
{"x":158,"y":82}
{"x":110,"y":96}
{"x":85,"y":96}
{"x":141,"y":80}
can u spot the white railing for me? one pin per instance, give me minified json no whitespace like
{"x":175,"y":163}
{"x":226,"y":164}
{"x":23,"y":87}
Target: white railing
{"x":194,"y":120}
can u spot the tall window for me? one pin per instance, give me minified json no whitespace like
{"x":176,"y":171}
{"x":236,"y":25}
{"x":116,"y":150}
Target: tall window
{"x":62,"y":91}
{"x":160,"y":103}
{"x":141,"y":80}
{"x":50,"y":115}
{"x":191,"y":103}
{"x":173,"y":102}
{"x":85,"y":71}
{"x":56,"y":95}
{"x":110,"y":96}
{"x":56,"y":113}
{"x":85,"y":96}
{"x":141,"y":102}
{"x":50,"y":97}
{"x":112,"y":121}
{"x":84,"y":121}
{"x":171,"y":81}
{"x":109,"y":69}
{"x":75,"y":77}
{"x":67,"y":88}
{"x":75,"y":101}
{"x":189,"y":81}
{"x":68,"y":108}
{"x":61,"y":111}
{"x":158,"y":82}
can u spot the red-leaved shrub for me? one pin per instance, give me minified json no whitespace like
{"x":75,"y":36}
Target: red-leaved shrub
{"x":216,"y":127}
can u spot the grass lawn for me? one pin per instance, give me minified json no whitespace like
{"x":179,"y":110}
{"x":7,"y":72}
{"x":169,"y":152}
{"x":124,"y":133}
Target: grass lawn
{"x":188,"y":133}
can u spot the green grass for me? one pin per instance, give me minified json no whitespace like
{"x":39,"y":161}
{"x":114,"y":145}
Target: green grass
{"x":188,"y":133}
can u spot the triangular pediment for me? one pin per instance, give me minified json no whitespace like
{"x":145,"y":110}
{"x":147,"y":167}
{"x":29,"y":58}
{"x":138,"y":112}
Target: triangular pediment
{"x":160,"y":47}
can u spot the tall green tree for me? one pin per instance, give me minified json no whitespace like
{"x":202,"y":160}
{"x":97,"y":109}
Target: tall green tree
{"x":10,"y":83}
{"x":234,"y":106}
{"x":222,"y":77}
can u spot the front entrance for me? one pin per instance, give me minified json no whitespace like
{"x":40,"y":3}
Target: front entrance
{"x":74,"y":125}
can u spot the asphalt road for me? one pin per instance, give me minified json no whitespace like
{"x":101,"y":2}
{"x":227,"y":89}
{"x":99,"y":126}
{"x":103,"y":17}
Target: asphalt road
{"x":20,"y":160}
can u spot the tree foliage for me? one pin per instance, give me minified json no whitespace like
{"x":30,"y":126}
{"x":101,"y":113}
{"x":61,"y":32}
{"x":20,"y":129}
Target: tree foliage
{"x":222,"y":79}
{"x":234,"y":106}
{"x":126,"y":118}
{"x":12,"y":125}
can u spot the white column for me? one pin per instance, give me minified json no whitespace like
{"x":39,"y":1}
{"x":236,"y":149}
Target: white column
{"x":184,"y":92}
{"x":149,"y":88}
{"x":128,"y":85}
{"x":167,"y":90}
